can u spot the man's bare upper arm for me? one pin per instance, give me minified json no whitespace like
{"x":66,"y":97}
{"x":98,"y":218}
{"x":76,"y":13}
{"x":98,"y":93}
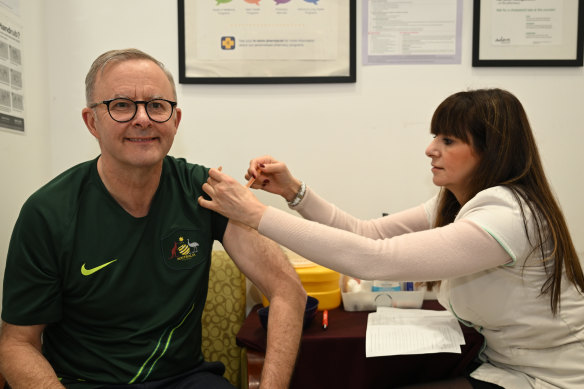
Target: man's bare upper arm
{"x":17,"y":334}
{"x":259,"y":258}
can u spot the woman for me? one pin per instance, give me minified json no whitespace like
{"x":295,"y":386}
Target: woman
{"x":494,"y":235}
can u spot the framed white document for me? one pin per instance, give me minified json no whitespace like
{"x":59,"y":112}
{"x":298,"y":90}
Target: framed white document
{"x":527,"y":33}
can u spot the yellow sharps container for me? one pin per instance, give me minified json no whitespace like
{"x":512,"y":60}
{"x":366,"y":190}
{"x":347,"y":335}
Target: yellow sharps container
{"x":318,"y":281}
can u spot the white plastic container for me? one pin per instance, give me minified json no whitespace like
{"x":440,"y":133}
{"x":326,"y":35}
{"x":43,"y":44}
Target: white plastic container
{"x":369,"y":301}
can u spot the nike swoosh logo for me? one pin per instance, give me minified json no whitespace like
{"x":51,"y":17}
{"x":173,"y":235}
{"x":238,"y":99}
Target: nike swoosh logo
{"x":88,"y":272}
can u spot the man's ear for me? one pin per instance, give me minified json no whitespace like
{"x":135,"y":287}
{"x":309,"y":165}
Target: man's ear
{"x":89,"y":118}
{"x":178,"y":113}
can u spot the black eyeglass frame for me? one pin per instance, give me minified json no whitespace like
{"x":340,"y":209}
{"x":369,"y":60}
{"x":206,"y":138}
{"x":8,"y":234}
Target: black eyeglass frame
{"x":136,"y":102}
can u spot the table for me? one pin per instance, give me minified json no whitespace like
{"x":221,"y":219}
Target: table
{"x":335,"y":358}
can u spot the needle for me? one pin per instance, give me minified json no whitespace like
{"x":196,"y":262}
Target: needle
{"x":252,"y":179}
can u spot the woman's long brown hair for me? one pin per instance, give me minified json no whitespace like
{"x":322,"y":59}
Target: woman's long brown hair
{"x":495,"y":123}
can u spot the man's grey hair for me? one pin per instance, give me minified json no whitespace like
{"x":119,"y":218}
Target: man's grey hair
{"x":118,"y":56}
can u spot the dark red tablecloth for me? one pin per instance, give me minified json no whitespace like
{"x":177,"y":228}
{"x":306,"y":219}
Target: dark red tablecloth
{"x":335,"y":358}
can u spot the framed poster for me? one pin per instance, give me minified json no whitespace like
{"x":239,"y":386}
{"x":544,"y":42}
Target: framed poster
{"x":527,"y":33}
{"x":266,"y":41}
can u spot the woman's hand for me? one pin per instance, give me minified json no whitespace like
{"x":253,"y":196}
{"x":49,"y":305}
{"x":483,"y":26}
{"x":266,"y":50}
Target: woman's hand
{"x":273,"y":176}
{"x":231,"y":199}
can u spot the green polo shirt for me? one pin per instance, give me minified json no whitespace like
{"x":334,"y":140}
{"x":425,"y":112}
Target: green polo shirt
{"x":122,"y":297}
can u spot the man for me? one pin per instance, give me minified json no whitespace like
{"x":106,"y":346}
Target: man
{"x":108,"y":264}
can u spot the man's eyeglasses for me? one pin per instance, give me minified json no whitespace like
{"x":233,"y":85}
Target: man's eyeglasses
{"x":123,"y":110}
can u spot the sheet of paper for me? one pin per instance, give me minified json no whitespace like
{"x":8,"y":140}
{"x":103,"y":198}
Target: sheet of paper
{"x":394,"y":331}
{"x":414,"y":31}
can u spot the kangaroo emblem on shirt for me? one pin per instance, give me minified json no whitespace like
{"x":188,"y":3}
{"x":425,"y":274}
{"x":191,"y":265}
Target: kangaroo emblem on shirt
{"x":173,"y":251}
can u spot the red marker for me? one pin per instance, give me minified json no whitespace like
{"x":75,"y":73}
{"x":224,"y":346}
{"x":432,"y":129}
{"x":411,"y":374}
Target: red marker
{"x":324,"y":319}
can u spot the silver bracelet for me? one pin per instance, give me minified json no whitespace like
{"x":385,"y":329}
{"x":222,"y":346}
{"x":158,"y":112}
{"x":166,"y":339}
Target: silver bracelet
{"x":299,"y":195}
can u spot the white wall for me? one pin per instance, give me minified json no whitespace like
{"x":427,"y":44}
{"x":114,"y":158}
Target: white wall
{"x":360,"y":145}
{"x":24,"y":159}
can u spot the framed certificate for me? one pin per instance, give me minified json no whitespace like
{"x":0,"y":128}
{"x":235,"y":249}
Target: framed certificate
{"x":527,"y":33}
{"x":266,"y":41}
